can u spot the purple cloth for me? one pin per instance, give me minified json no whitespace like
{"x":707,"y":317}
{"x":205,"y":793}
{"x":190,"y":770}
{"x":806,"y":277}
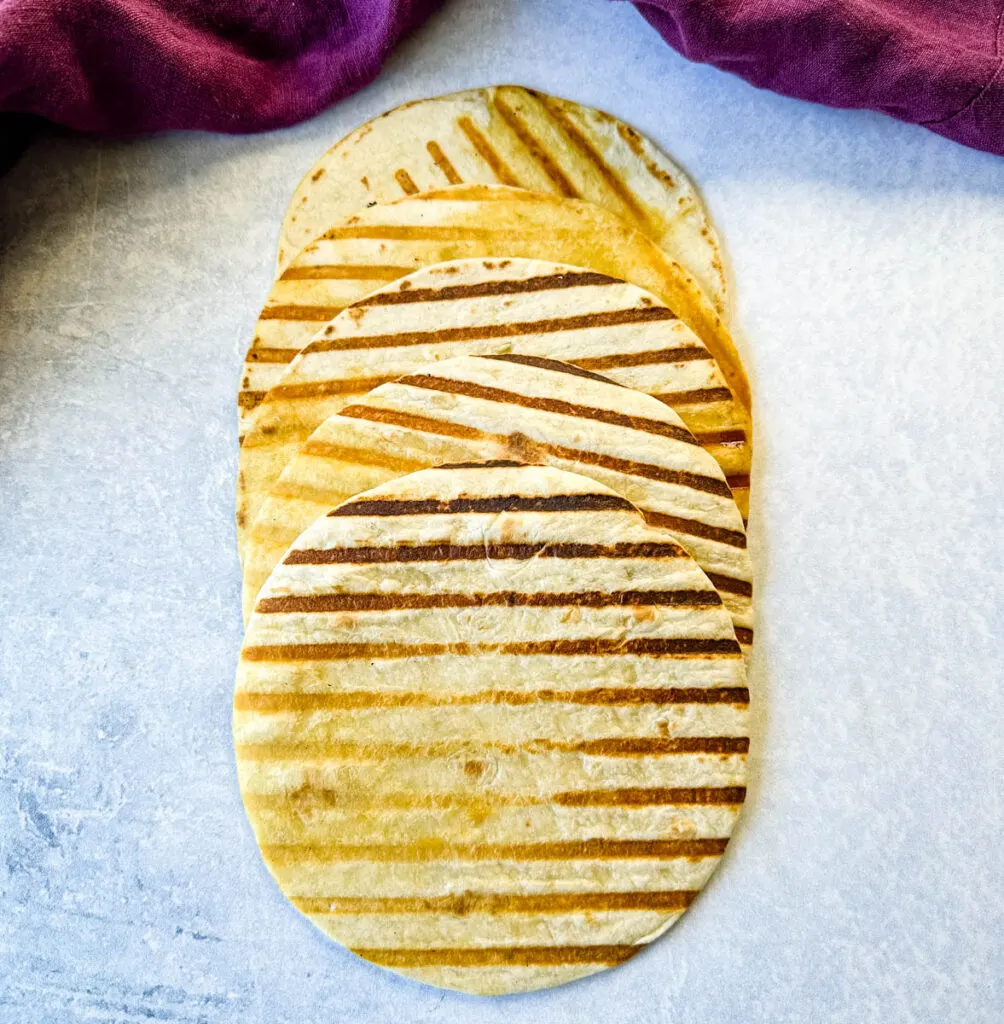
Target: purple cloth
{"x":125,"y":66}
{"x":938,"y":63}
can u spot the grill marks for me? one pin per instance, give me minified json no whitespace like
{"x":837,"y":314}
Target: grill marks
{"x":449,"y":811}
{"x":446,"y":551}
{"x":404,"y":179}
{"x":309,"y":798}
{"x":345,"y":272}
{"x":267,"y":354}
{"x":537,"y":150}
{"x":697,"y":396}
{"x":552,"y":405}
{"x":616,"y":746}
{"x":483,"y":148}
{"x":319,"y":314}
{"x":492,"y":504}
{"x":646,"y":647}
{"x":514,"y":286}
{"x":360,"y":456}
{"x":657,"y":357}
{"x":576,"y":456}
{"x":582,"y":144}
{"x":606,"y":696}
{"x":499,"y":956}
{"x":442,"y":162}
{"x":483,"y":332}
{"x":693,"y":528}
{"x":549,"y":364}
{"x":324,"y":388}
{"x":248,"y":400}
{"x":348,"y":602}
{"x":430,"y":850}
{"x":676,"y":900}
{"x":730,"y":585}
{"x":569,"y":937}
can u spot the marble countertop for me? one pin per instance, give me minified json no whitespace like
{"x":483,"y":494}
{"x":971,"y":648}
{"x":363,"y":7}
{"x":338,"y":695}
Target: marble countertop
{"x":864,"y":883}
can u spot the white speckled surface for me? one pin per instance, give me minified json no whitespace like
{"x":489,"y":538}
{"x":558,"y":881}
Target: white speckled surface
{"x":865,"y":881}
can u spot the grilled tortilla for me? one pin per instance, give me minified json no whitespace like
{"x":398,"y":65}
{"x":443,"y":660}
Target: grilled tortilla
{"x":482,"y":408}
{"x":382,"y":243}
{"x":511,"y":136}
{"x":484,"y":306}
{"x":490,"y":727}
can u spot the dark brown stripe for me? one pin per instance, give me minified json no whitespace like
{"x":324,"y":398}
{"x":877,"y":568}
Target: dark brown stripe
{"x":738,"y":481}
{"x":432,"y":850}
{"x":520,"y":286}
{"x":614,"y":746}
{"x":345,"y":272}
{"x":729,"y":585}
{"x":578,"y":456}
{"x":312,"y":313}
{"x":535,"y":148}
{"x":499,"y":956}
{"x":743,"y":634}
{"x":645,"y":647}
{"x":483,"y":332}
{"x":693,"y":528}
{"x":554,"y":405}
{"x":485,"y":151}
{"x":698,"y":396}
{"x":656,"y":357}
{"x":443,"y":163}
{"x":487,"y":464}
{"x":267,"y":354}
{"x":350,"y":700}
{"x":677,"y":477}
{"x":710,"y":796}
{"x":404,"y":179}
{"x":323,"y":603}
{"x":648,"y":746}
{"x":722,"y":438}
{"x":673,"y":900}
{"x":550,"y":364}
{"x":447,"y":552}
{"x":494,"y":503}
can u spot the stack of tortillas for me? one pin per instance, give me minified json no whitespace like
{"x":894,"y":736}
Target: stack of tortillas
{"x":491,"y":709}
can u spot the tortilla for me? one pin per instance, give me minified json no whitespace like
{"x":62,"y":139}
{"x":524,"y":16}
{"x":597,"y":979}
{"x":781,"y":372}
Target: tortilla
{"x":486,"y":306}
{"x":483,"y":408}
{"x":511,"y":136}
{"x":382,"y":243}
{"x":490,"y":727}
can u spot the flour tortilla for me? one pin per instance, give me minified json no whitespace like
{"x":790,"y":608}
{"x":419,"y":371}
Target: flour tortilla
{"x":382,"y":243}
{"x":483,"y":408}
{"x":512,"y":136}
{"x":484,"y":306}
{"x":490,"y":728}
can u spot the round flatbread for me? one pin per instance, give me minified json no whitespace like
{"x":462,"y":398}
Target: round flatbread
{"x":382,"y":243}
{"x":511,"y":136}
{"x":484,"y":306}
{"x":490,"y":727}
{"x":483,"y":408}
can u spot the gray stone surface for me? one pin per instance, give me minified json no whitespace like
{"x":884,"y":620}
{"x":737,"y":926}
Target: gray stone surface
{"x":865,"y":881}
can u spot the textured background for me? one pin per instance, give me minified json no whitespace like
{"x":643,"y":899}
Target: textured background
{"x":865,"y":881}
